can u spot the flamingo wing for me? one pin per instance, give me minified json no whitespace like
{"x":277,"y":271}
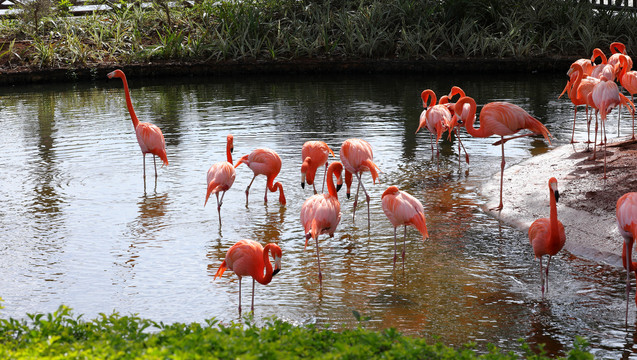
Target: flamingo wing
{"x":321,"y":213}
{"x":151,"y":140}
{"x":264,"y":162}
{"x":627,"y":214}
{"x":245,"y":258}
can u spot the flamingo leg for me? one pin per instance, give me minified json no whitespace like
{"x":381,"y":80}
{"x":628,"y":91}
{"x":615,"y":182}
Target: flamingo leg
{"x":595,"y":139}
{"x":466,"y":155}
{"x":628,"y":244}
{"x":367,"y":197}
{"x":252,"y":304}
{"x":604,"y":132}
{"x":248,"y":189}
{"x":219,"y":207}
{"x":404,"y":245}
{"x":358,"y":187}
{"x":501,"y":142}
{"x":265,"y":198}
{"x":542,"y":278}
{"x":324,"y":175}
{"x":546,"y":278}
{"x":239,"y":296}
{"x":318,"y":261}
{"x":144,"y":166}
{"x":631,"y":99}
{"x":155,"y":164}
{"x":573,"y":134}
{"x":395,"y":248}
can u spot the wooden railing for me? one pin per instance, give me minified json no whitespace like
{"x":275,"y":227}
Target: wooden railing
{"x":630,"y":5}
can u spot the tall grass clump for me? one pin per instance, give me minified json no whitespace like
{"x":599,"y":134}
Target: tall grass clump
{"x":341,"y":30}
{"x":62,"y":335}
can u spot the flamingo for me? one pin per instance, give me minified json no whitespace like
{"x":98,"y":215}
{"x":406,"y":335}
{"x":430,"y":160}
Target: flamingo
{"x":546,"y":235}
{"x":578,"y":87}
{"x":628,"y":80}
{"x":606,"y":96}
{"x":604,"y":69}
{"x":357,"y":157}
{"x":455,"y":90}
{"x":264,"y":162}
{"x":498,"y":118}
{"x":618,"y":51}
{"x":404,"y":209}
{"x":627,"y":223}
{"x":221,"y":176}
{"x":249,"y":258}
{"x":314,"y":154}
{"x":149,"y":136}
{"x":435,"y":117}
{"x":321,"y":213}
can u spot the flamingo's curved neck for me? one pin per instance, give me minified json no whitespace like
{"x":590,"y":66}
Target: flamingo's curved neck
{"x":471,"y":118}
{"x":129,"y":103}
{"x":579,"y":75}
{"x":265,"y":278}
{"x":426,"y":95}
{"x":331,"y":188}
{"x":229,"y":152}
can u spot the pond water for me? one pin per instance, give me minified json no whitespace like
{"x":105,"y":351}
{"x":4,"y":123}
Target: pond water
{"x":78,"y":227}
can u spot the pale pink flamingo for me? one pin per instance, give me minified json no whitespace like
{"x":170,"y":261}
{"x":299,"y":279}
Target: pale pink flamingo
{"x":403,"y":209}
{"x":321,"y":213}
{"x":606,"y":96}
{"x":221,"y":176}
{"x":435,"y":117}
{"x":628,"y":80}
{"x":357,"y":157}
{"x":546,"y":235}
{"x":314,"y":154}
{"x":149,"y":136}
{"x":249,"y":258}
{"x":627,"y":223}
{"x":498,"y":118}
{"x":578,"y":87}
{"x":264,"y":162}
{"x":604,"y":69}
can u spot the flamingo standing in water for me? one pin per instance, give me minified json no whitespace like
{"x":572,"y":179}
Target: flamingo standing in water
{"x":435,"y":117}
{"x":446,"y":100}
{"x":321,"y":213}
{"x":546,"y":235}
{"x":627,"y":224}
{"x":264,"y":162}
{"x":357,"y":157}
{"x":604,"y":69}
{"x":221,"y":176}
{"x":497,"y":118}
{"x":149,"y":136}
{"x":404,"y":209}
{"x":314,"y":154}
{"x":578,"y":87}
{"x":249,"y":258}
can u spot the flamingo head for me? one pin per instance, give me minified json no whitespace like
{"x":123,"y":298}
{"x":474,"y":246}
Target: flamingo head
{"x":392,"y":190}
{"x":553,"y":187}
{"x":115,"y":74}
{"x":230,"y":142}
{"x":276,"y":253}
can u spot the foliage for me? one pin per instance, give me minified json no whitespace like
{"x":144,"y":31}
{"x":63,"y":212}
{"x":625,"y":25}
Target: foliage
{"x":281,"y":30}
{"x":62,"y":335}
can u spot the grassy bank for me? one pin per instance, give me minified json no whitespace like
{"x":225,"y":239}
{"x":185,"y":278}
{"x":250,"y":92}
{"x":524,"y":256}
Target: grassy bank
{"x":280,"y":31}
{"x":62,"y":335}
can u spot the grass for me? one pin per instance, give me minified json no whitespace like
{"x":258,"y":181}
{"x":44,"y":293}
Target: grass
{"x":61,"y":335}
{"x":283,"y":30}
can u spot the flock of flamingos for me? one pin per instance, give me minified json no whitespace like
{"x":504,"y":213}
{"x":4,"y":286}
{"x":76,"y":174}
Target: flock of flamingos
{"x":592,"y":85}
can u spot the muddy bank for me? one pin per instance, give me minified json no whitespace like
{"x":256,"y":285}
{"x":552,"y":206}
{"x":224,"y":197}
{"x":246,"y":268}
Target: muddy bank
{"x":587,"y":202}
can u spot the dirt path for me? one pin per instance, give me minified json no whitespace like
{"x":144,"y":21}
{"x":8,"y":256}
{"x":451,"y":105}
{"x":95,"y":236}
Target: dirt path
{"x":587,"y":203}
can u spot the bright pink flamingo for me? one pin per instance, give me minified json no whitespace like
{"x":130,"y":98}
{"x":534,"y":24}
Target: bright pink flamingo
{"x":404,"y":209}
{"x":618,"y":51}
{"x":249,"y":258}
{"x":606,"y":96}
{"x":149,"y":136}
{"x":498,"y":118}
{"x":435,"y":117}
{"x":628,"y":80}
{"x":578,"y":87}
{"x":314,"y":154}
{"x":547,"y":235}
{"x":321,"y":213}
{"x":264,"y":162}
{"x":357,"y":157}
{"x":221,"y":176}
{"x":627,"y":224}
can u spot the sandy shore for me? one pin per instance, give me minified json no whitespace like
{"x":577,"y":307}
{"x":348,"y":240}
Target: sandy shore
{"x":590,"y":234}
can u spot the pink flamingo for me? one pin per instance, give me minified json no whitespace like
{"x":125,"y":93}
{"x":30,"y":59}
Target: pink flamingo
{"x":606,"y":96}
{"x":455,"y":90}
{"x":221,"y":176}
{"x":149,"y":136}
{"x":264,"y":162}
{"x":618,"y":51}
{"x":435,"y":117}
{"x":627,"y":223}
{"x":249,"y":258}
{"x":546,"y":235}
{"x":628,"y":80}
{"x":357,"y":157}
{"x":498,"y":118}
{"x":578,"y":87}
{"x":404,"y":209}
{"x":321,"y":213}
{"x":604,"y":69}
{"x":314,"y":154}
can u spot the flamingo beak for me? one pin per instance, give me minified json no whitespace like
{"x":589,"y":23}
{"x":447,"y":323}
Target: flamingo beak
{"x":557,"y":195}
{"x":303,"y":181}
{"x":277,"y":265}
{"x":338,"y":187}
